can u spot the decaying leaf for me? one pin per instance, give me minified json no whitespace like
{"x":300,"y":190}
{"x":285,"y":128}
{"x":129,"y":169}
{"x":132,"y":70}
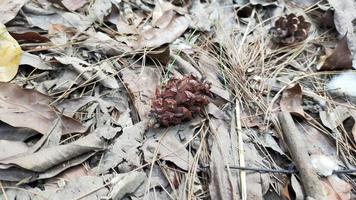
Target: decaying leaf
{"x":29,"y":36}
{"x":339,"y":59}
{"x":101,"y":42}
{"x":85,"y":185}
{"x":293,"y":189}
{"x":9,"y":9}
{"x":44,"y":159}
{"x":71,"y":5}
{"x":156,"y":37}
{"x":99,"y":9}
{"x":125,"y":150}
{"x":142,"y":86}
{"x":126,"y":183}
{"x":43,"y":18}
{"x":10,"y":55}
{"x":31,"y":109}
{"x":168,"y":148}
{"x":11,"y":148}
{"x":224,"y":182}
{"x":337,"y":188}
{"x":162,"y":54}
{"x":204,"y":15}
{"x":344,"y":19}
{"x":292,"y":100}
{"x":35,"y":61}
{"x":334,"y":117}
{"x":90,"y":72}
{"x":11,"y":133}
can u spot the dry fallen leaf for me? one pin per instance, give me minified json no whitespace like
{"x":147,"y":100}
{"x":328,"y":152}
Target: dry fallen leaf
{"x":35,"y":61}
{"x":126,"y":183}
{"x":124,"y":151}
{"x":99,"y":9}
{"x":334,"y":117}
{"x":47,"y":158}
{"x":10,"y":55}
{"x":11,"y":148}
{"x":43,"y":18}
{"x":224,"y":183}
{"x":156,"y":37}
{"x":93,"y":186}
{"x":9,"y":9}
{"x":168,"y":148}
{"x":293,"y":186}
{"x":339,"y":59}
{"x":28,"y":36}
{"x":71,"y":5}
{"x":344,"y":19}
{"x":292,"y":100}
{"x":337,"y":188}
{"x":142,"y":86}
{"x":29,"y":108}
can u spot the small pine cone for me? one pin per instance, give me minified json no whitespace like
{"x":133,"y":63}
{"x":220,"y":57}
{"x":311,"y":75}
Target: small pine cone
{"x":290,"y":29}
{"x":179,"y":99}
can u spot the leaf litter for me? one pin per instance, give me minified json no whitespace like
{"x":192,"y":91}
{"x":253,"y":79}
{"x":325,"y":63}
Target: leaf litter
{"x":85,"y":117}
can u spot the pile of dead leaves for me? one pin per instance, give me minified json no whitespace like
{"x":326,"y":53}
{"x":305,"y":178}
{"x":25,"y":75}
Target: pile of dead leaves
{"x":81,"y":82}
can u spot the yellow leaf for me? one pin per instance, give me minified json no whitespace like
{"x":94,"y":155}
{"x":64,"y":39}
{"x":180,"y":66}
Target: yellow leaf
{"x":10,"y":55}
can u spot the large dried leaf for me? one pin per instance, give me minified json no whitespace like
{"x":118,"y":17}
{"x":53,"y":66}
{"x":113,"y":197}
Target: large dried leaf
{"x":45,"y":159}
{"x":101,"y":42}
{"x":223,"y":183}
{"x":9,"y":9}
{"x":31,"y":109}
{"x":43,"y":18}
{"x":11,"y":133}
{"x":333,"y":118}
{"x":344,"y":19}
{"x":124,"y":150}
{"x":85,"y":185}
{"x":168,"y":148}
{"x":204,"y":15}
{"x":11,"y":148}
{"x":99,"y":9}
{"x":35,"y":61}
{"x":142,"y":84}
{"x":127,"y":183}
{"x":292,"y":100}
{"x":54,"y":171}
{"x":339,"y":59}
{"x":209,"y":65}
{"x":71,"y":5}
{"x":337,"y":188}
{"x":90,"y":72}
{"x":156,"y":37}
{"x":10,"y":55}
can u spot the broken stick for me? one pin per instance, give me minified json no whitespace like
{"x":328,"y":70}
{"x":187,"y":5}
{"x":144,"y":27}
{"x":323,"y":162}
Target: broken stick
{"x":312,"y":186}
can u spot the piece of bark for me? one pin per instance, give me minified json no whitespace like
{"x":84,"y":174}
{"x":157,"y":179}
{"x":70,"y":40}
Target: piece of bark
{"x":311,"y":183}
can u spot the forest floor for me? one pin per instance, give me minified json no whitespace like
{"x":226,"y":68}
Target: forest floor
{"x":82,"y":81}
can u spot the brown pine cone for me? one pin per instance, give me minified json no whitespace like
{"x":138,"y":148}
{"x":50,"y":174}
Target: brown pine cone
{"x":290,"y":29}
{"x":179,"y":99}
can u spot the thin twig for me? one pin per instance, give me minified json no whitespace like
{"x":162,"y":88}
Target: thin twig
{"x":241,"y":151}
